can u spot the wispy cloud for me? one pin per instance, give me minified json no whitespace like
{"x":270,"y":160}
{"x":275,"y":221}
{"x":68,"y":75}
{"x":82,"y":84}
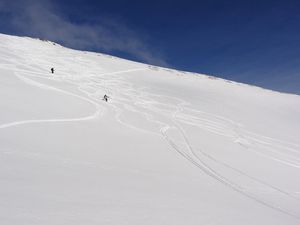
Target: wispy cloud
{"x":45,"y":20}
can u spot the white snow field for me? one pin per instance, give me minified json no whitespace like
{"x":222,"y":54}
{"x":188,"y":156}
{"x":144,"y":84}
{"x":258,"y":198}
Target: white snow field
{"x":168,"y":148}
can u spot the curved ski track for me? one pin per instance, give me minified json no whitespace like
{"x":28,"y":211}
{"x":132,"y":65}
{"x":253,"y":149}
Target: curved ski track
{"x":93,"y":85}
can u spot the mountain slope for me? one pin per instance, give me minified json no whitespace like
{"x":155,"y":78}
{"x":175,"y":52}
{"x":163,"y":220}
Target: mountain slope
{"x":169,"y":147}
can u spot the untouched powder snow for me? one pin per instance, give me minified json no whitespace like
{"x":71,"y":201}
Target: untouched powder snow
{"x":168,"y":147}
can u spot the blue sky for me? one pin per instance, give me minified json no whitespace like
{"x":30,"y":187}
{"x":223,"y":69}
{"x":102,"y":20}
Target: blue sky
{"x":254,"y":42}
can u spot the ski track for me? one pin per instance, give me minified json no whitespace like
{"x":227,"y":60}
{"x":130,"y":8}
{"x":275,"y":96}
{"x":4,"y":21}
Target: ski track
{"x":204,"y":167}
{"x":197,"y":161}
{"x":210,"y":171}
{"x":92,"y":85}
{"x":44,"y":86}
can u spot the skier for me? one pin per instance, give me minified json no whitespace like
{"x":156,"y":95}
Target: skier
{"x":105,"y":98}
{"x":52,"y":70}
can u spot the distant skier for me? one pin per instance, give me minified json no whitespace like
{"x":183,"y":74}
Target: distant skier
{"x":52,"y":70}
{"x":105,"y":98}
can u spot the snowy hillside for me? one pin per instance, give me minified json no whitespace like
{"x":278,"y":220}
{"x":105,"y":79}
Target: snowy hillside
{"x":169,"y":147}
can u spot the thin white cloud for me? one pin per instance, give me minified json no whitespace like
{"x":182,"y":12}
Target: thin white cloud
{"x":44,"y":19}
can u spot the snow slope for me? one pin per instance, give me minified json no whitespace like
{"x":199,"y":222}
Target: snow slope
{"x":169,"y":147}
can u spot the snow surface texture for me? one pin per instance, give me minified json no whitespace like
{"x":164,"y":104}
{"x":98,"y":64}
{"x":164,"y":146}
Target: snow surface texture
{"x":168,"y":147}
